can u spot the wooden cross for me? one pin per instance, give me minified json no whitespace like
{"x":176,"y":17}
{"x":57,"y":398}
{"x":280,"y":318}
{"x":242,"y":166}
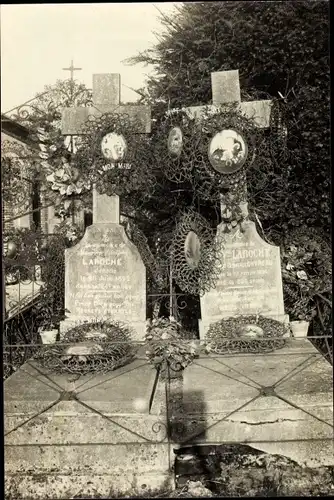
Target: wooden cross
{"x":106,"y":99}
{"x":72,"y":69}
{"x":226,"y":90}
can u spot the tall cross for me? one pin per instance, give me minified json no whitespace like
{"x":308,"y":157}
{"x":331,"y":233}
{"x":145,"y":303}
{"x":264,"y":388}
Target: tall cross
{"x":72,"y":69}
{"x":226,"y":90}
{"x":106,"y":99}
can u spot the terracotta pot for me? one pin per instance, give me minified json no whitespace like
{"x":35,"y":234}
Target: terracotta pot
{"x":49,"y":336}
{"x":299,"y":328}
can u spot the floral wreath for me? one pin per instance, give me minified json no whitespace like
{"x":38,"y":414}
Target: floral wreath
{"x":97,"y":346}
{"x":122,"y":177}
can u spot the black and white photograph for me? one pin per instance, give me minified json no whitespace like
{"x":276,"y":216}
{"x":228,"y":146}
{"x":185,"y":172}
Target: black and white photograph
{"x":166,"y":250}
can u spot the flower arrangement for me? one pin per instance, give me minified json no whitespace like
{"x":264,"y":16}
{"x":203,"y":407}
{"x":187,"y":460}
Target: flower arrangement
{"x":307,"y":273}
{"x":71,"y":232}
{"x":167,"y":347}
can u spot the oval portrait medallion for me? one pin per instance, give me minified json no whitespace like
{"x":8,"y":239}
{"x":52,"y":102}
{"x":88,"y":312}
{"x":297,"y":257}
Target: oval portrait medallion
{"x":192,"y":249}
{"x":175,"y":141}
{"x":113,"y":147}
{"x":227,"y":151}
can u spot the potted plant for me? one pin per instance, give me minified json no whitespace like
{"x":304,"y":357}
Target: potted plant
{"x":49,"y":330}
{"x":306,"y":271}
{"x":167,"y":349}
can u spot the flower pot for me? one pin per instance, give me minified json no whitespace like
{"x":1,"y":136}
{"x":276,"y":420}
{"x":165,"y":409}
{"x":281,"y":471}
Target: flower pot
{"x":299,"y":328}
{"x":49,"y":336}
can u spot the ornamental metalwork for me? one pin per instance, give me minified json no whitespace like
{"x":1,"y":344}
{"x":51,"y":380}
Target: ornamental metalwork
{"x":112,"y":156}
{"x":18,"y":168}
{"x":212,"y":154}
{"x":98,"y":346}
{"x":196,"y":254}
{"x":246,"y":334}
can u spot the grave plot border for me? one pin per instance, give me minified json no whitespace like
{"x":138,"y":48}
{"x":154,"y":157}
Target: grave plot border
{"x":171,"y":419}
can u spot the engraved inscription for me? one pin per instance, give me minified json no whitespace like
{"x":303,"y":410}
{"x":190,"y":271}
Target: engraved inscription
{"x":249,"y":282}
{"x":105,"y":278}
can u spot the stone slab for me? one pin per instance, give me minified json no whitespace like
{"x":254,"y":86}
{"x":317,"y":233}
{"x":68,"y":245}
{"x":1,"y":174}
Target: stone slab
{"x":105,"y":431}
{"x":226,"y":400}
{"x":106,"y":89}
{"x":115,"y":392}
{"x":109,"y":433}
{"x":250,"y":281}
{"x":105,"y":278}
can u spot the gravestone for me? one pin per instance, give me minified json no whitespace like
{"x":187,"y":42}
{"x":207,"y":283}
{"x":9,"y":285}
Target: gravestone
{"x":250,"y":280}
{"x":105,"y":277}
{"x":249,"y":283}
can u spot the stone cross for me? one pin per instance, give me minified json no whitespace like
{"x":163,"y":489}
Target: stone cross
{"x":226,"y":90}
{"x":106,"y":99}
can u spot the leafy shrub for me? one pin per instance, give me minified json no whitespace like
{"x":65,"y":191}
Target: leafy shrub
{"x":307,"y":272}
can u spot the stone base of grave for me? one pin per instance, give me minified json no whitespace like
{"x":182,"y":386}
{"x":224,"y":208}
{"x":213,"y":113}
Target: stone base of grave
{"x":279,"y":403}
{"x":105,"y":435}
{"x":92,"y":437}
{"x":138,"y":328}
{"x":204,"y":324}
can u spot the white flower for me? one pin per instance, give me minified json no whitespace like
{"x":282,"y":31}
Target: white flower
{"x":301,"y":275}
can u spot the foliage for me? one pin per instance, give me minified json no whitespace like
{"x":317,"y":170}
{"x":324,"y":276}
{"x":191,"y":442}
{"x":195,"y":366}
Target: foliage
{"x":17,"y":172}
{"x":51,"y":166}
{"x":226,"y":335}
{"x":97,"y":346}
{"x":50,"y":308}
{"x":293,"y":61}
{"x":45,"y":108}
{"x":166,"y":345}
{"x":307,"y":273}
{"x":69,"y":231}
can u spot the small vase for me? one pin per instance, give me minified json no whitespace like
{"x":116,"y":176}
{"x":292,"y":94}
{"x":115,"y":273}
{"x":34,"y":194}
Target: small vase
{"x":299,"y":328}
{"x":49,"y":336}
